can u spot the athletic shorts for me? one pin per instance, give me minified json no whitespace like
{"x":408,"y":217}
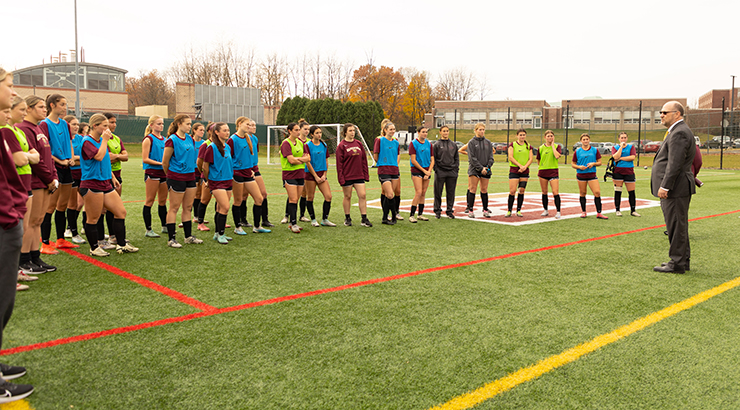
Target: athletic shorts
{"x":180,"y":186}
{"x":85,"y":191}
{"x":64,"y":175}
{"x":352,"y":182}
{"x":117,"y":174}
{"x":418,"y":175}
{"x":623,"y":177}
{"x":309,"y":176}
{"x":257,"y":174}
{"x":294,"y":182}
{"x":215,"y":185}
{"x":76,"y":183}
{"x":479,"y":175}
{"x":388,"y":177}
{"x":240,"y":179}
{"x":161,"y":180}
{"x":548,"y":174}
{"x":518,"y":175}
{"x":591,"y":176}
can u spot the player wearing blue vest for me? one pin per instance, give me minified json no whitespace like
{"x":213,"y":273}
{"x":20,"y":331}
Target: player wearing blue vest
{"x":520,"y":158}
{"x":293,"y":156}
{"x":60,"y":140}
{"x":316,"y":176}
{"x":179,"y":163}
{"x":422,"y":163}
{"x":242,"y":152}
{"x":155,"y":180}
{"x":97,"y":190}
{"x":387,"y":152}
{"x":74,"y":205}
{"x":197,"y":132}
{"x":624,"y":173}
{"x":218,"y":175}
{"x":585,"y":160}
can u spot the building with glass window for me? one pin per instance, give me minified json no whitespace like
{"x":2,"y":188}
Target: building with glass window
{"x":102,"y":88}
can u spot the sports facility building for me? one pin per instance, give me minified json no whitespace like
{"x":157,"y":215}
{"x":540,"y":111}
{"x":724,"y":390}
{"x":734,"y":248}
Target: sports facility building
{"x":102,"y":87}
{"x":217,"y":103}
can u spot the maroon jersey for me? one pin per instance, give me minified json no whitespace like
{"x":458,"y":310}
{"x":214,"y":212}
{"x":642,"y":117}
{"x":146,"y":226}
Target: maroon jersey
{"x":44,"y":172}
{"x":351,"y":162}
{"x":12,"y":190}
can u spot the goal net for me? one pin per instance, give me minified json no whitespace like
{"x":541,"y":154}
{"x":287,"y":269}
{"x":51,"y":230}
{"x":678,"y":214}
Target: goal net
{"x":331,"y":134}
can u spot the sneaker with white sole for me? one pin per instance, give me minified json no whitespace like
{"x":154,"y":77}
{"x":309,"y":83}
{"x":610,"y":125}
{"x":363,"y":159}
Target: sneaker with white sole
{"x":99,"y":251}
{"x":327,"y":222}
{"x":44,"y":265}
{"x":348,"y":222}
{"x":295,"y":228}
{"x":633,"y":213}
{"x":486,"y":213}
{"x":422,"y":218}
{"x":366,"y":223}
{"x":470,"y":213}
{"x":151,"y":234}
{"x":106,"y":245}
{"x":18,"y":288}
{"x":315,"y":223}
{"x":128,"y":248}
{"x":172,"y":243}
{"x":68,"y":233}
{"x":193,"y":240}
{"x":22,"y":277}
{"x":10,"y":392}
{"x":239,"y":231}
{"x":412,"y":219}
{"x":11,"y":372}
{"x":260,"y":230}
{"x":30,"y":268}
{"x":399,"y":217}
{"x":113,"y":241}
{"x":545,"y":213}
{"x":557,"y":215}
{"x":78,"y":240}
{"x":304,"y":219}
{"x":285,"y":220}
{"x":618,"y":213}
{"x":519,"y":214}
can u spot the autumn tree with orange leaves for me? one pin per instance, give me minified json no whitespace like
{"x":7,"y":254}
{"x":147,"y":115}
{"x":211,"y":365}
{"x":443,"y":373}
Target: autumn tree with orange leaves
{"x":149,"y":89}
{"x":418,"y":98}
{"x":384,"y":85}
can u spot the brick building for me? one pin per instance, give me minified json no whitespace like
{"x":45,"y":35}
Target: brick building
{"x":713,"y":99}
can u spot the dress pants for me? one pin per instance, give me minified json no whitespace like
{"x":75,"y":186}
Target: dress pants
{"x":676,"y":216}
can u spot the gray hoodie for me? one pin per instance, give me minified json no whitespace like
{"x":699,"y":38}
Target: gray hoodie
{"x":480,"y":155}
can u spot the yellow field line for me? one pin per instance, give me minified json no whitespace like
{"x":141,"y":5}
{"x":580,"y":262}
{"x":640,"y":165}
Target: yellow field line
{"x":526,"y":374}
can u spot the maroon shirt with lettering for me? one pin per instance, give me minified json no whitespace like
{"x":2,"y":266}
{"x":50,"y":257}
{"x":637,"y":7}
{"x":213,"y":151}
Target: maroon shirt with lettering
{"x":12,"y":190}
{"x":351,"y":162}
{"x":44,"y":172}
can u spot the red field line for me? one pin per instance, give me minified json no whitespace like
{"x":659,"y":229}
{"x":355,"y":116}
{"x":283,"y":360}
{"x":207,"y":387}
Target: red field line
{"x":214,"y":311}
{"x":143,"y":282}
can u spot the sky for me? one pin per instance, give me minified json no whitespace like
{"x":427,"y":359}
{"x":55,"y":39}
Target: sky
{"x":526,"y":50}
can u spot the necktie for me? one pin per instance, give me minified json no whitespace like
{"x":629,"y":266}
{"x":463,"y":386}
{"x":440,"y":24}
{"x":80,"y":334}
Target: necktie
{"x":666,"y":135}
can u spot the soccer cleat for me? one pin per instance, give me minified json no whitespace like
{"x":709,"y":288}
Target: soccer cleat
{"x":239,"y":231}
{"x":151,"y":234}
{"x":227,"y":226}
{"x":127,"y":248}
{"x":557,"y":215}
{"x":601,"y":216}
{"x":246,"y":224}
{"x":172,"y":243}
{"x":366,"y":223}
{"x":399,"y":217}
{"x":348,"y":222}
{"x":519,"y":214}
{"x":22,"y":277}
{"x":113,"y":241}
{"x":222,"y":239}
{"x":99,"y":251}
{"x":508,"y":214}
{"x":228,"y":238}
{"x":68,"y":233}
{"x":48,"y":249}
{"x":30,"y":268}
{"x":633,"y":213}
{"x":583,"y":215}
{"x":11,"y":372}
{"x":19,"y":287}
{"x":326,"y":222}
{"x":412,"y":219}
{"x":486,"y":213}
{"x":267,"y":224}
{"x":295,"y":228}
{"x":451,"y":215}
{"x":285,"y":220}
{"x":304,"y":219}
{"x":78,"y":240}
{"x":179,"y":225}
{"x":193,"y":240}
{"x":44,"y":265}
{"x":106,"y":245}
{"x":618,"y":213}
{"x":315,"y":222}
{"x":422,"y":218}
{"x":260,"y":230}
{"x":203,"y":228}
{"x":545,"y":213}
{"x":437,"y":215}
{"x":164,"y":229}
{"x":388,"y":222}
{"x":470,"y":213}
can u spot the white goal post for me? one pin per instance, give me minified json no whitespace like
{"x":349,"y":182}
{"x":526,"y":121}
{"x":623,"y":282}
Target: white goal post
{"x":331,"y":134}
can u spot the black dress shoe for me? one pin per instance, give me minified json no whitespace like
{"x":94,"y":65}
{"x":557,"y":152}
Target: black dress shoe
{"x":669,"y":268}
{"x":451,"y":215}
{"x":687,"y":268}
{"x":437,"y":215}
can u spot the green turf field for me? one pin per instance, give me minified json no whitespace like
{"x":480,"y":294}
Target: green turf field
{"x":238,"y":327}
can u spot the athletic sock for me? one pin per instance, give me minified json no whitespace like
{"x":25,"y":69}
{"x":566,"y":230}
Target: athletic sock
{"x":413,"y":210}
{"x":421,"y":209}
{"x":519,"y":202}
{"x":101,"y":228}
{"x":119,"y":226}
{"x":287,"y":208}
{"x":236,"y":211}
{"x":46,"y":228}
{"x":147,"y":213}
{"x":25,"y":258}
{"x":264,"y":210}
{"x":633,"y":200}
{"x":597,"y":201}
{"x":583,"y":203}
{"x":109,"y":222}
{"x":244,"y":212}
{"x":397,"y":198}
{"x":196,"y":207}
{"x":511,"y":202}
{"x":60,"y":223}
{"x":302,"y":203}
{"x":220,"y":220}
{"x":36,"y":255}
{"x":309,"y":208}
{"x":545,"y":201}
{"x":617,"y":199}
{"x":171,"y":231}
{"x":202,"y":212}
{"x":327,"y":209}
{"x":162,"y":210}
{"x":557,"y":202}
{"x":91,"y":231}
{"x":484,"y":200}
{"x":257,"y":214}
{"x":72,"y":216}
{"x":187,"y":228}
{"x":292,"y":211}
{"x":384,"y":205}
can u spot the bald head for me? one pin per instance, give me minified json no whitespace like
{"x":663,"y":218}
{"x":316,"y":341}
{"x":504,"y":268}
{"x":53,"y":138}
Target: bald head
{"x":677,"y":106}
{"x":671,"y":112}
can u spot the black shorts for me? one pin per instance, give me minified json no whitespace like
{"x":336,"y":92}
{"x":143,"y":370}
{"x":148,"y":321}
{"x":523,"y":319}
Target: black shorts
{"x":64,"y":175}
{"x":76,"y":183}
{"x":518,"y":175}
{"x":294,"y":182}
{"x":623,"y":177}
{"x":414,"y":174}
{"x":241,"y":179}
{"x":388,"y":177}
{"x":479,"y":175}
{"x":119,"y":178}
{"x":257,"y":174}
{"x":353,"y":181}
{"x":549,"y":178}
{"x":85,"y":191}
{"x":154,"y":178}
{"x":586,"y":178}
{"x":180,"y":186}
{"x":30,"y":194}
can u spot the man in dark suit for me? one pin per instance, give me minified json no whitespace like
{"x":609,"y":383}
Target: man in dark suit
{"x":673,"y":182}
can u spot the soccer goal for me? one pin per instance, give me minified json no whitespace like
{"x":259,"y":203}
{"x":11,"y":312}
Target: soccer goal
{"x":331,"y":134}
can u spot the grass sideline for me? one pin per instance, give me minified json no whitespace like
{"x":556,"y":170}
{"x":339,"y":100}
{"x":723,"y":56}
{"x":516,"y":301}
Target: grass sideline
{"x":414,"y":342}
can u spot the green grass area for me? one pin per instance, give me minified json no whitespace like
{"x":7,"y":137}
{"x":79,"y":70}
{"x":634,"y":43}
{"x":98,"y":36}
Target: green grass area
{"x":410,"y":343}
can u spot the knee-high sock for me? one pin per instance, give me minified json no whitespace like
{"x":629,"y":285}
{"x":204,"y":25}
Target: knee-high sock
{"x":597,"y":201}
{"x":557,"y":202}
{"x":511,"y":202}
{"x":309,"y":208}
{"x":617,"y":198}
{"x":484,"y":199}
{"x":187,"y":228}
{"x":519,"y":202}
{"x":327,"y":209}
{"x":396,"y":204}
{"x":46,"y":228}
{"x":413,"y":210}
{"x":633,"y":200}
{"x":545,"y":201}
{"x":109,"y":222}
{"x":421,"y":209}
{"x":91,"y":231}
{"x":236,"y":211}
{"x":244,"y":212}
{"x":171,"y":232}
{"x":60,"y":223}
{"x":162,"y":210}
{"x":220,"y":221}
{"x":147,"y":213}
{"x":292,"y":211}
{"x":302,"y":203}
{"x":470,"y":196}
{"x":287,"y":208}
{"x":257,"y":214}
{"x":202,"y":212}
{"x":101,"y":229}
{"x":583,"y":203}
{"x":119,"y":227}
{"x":196,"y":207}
{"x":384,"y":204}
{"x":72,"y":215}
{"x":264,"y":210}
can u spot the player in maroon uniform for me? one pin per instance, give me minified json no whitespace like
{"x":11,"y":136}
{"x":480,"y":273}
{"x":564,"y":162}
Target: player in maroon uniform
{"x":352,"y":172}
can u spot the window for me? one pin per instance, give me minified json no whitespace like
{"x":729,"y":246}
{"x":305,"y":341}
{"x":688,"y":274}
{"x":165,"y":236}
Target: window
{"x":474,"y":117}
{"x":99,"y":78}
{"x":581,"y":117}
{"x":656,"y":117}
{"x":31,"y":77}
{"x":606,"y":117}
{"x":524,"y":118}
{"x":496,"y":117}
{"x":450,"y":118}
{"x":633,"y":117}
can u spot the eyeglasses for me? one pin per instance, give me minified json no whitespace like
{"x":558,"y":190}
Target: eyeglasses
{"x":666,"y":112}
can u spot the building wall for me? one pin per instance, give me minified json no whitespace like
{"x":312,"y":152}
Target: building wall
{"x":219,"y":103}
{"x":492,"y":113}
{"x":713,"y":99}
{"x":185,"y":99}
{"x":149,"y":110}
{"x":92,"y":100}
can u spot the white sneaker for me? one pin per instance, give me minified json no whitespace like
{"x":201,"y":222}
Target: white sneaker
{"x":106,"y":245}
{"x":304,"y":219}
{"x":239,"y":231}
{"x":412,"y":219}
{"x":174,"y":244}
{"x":618,"y":213}
{"x":486,"y":213}
{"x":193,"y":240}
{"x":98,"y":252}
{"x":284,"y":220}
{"x":68,"y":233}
{"x":545,"y":213}
{"x":78,"y":240}
{"x":315,"y":223}
{"x":22,"y":277}
{"x":557,"y":215}
{"x":327,"y":222}
{"x":126,"y":249}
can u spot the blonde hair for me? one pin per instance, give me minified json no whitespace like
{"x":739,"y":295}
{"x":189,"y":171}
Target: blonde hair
{"x":385,"y":125}
{"x":16,"y":100}
{"x":33,"y":100}
{"x":97,"y":119}
{"x":152,"y":119}
{"x":549,"y":132}
{"x":4,"y":74}
{"x":69,"y":118}
{"x":179,"y":119}
{"x":479,"y":125}
{"x":241,"y":120}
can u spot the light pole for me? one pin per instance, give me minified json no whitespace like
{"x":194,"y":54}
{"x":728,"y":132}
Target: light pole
{"x":78,"y":110}
{"x":567,"y":121}
{"x":732,"y":106}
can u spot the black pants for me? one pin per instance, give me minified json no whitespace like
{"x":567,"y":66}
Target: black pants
{"x":10,"y":251}
{"x":448,"y":183}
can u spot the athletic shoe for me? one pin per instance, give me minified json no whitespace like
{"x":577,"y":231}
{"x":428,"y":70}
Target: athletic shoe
{"x":304,"y":219}
{"x":399,"y":217}
{"x":348,"y":222}
{"x":470,"y":213}
{"x":22,"y":277}
{"x":285,"y":220}
{"x":78,"y":240}
{"x":267,"y":224}
{"x":106,"y":237}
{"x":221,"y":239}
{"x":327,"y":222}
{"x":437,"y":215}
{"x":82,"y":229}
{"x":44,"y":265}
{"x":315,"y":222}
{"x":10,"y":392}
{"x":106,"y":245}
{"x":174,"y":244}
{"x":113,"y":241}
{"x":633,"y":213}
{"x":11,"y":372}
{"x":600,"y":216}
{"x":227,"y":226}
{"x":228,"y":238}
{"x":68,"y":233}
{"x":151,"y":234}
{"x":366,"y":223}
{"x":412,"y":219}
{"x":18,"y":287}
{"x":193,"y":240}
{"x":618,"y":213}
{"x":295,"y":228}
{"x":128,"y":248}
{"x":545,"y":213}
{"x":583,"y":215}
{"x":486,"y":213}
{"x":557,"y":215}
{"x":179,"y":225}
{"x":388,"y":222}
{"x":203,"y":228}
{"x":239,"y":231}
{"x":519,"y":214}
{"x":164,"y":229}
{"x":260,"y":230}
{"x":31,"y":268}
{"x":48,"y":249}
{"x":245,"y":224}
{"x":451,"y":215}
{"x":508,"y":214}
{"x":422,"y":218}
{"x":98,"y":252}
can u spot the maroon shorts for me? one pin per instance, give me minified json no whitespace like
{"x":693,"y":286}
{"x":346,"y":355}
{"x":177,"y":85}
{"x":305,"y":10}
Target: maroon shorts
{"x":214,"y":185}
{"x":309,"y":176}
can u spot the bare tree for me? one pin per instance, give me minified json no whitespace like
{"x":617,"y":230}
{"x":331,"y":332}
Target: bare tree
{"x":222,"y":64}
{"x":483,"y":87}
{"x":273,"y":79}
{"x":456,"y":85}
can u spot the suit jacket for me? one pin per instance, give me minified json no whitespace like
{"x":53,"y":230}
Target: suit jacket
{"x":672,"y":163}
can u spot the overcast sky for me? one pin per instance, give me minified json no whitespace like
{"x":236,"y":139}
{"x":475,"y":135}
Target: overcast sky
{"x":551,"y":50}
